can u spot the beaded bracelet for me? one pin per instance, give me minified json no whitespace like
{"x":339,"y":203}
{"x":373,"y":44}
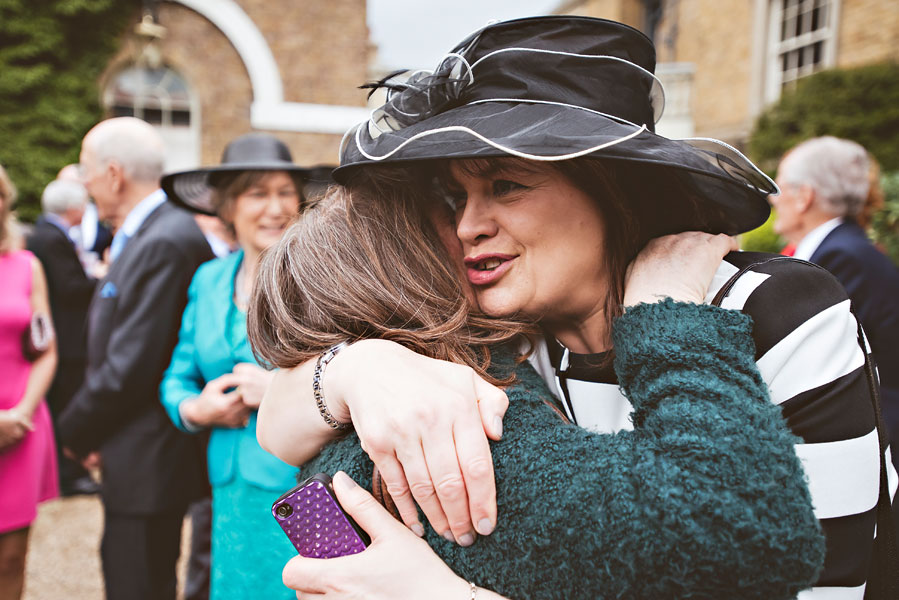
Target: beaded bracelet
{"x":323,"y":359}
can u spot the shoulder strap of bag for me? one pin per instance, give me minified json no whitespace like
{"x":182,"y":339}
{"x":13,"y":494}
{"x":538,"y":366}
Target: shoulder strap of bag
{"x":885,"y":584}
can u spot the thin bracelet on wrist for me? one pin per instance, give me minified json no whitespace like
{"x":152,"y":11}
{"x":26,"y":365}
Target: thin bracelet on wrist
{"x":323,"y":359}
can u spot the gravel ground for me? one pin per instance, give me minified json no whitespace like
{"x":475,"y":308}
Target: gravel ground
{"x":63,"y":552}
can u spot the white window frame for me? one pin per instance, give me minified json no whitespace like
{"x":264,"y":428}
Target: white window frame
{"x":187,"y":137}
{"x":827,"y":35}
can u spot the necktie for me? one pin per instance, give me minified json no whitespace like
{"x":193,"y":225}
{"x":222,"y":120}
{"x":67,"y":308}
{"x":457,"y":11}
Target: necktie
{"x":118,"y":244}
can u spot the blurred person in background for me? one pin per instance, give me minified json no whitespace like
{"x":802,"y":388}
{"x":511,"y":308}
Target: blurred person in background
{"x":27,"y":452}
{"x":63,"y":203}
{"x":151,"y":471}
{"x":214,"y":382}
{"x":91,"y":237}
{"x":218,"y":234}
{"x":826,"y":185}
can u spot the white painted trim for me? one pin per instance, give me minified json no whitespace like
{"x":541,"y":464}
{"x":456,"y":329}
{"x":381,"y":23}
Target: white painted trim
{"x":760,"y":32}
{"x":269,"y":110}
{"x":311,"y":118}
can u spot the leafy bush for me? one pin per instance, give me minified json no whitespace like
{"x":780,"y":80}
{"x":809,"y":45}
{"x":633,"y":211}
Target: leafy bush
{"x":52,"y":53}
{"x":762,"y":239}
{"x":860,"y":104}
{"x":885,"y":224}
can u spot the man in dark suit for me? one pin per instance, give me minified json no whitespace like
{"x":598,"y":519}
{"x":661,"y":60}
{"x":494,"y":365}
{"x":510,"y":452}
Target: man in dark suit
{"x":70,"y":291}
{"x":824,"y":184}
{"x":151,"y":471}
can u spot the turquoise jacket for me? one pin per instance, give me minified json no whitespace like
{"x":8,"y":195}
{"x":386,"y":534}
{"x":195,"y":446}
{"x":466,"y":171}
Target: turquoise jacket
{"x":212,"y":340}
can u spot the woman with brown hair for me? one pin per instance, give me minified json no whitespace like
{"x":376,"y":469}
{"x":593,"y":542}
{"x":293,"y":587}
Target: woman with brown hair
{"x":213,"y":382}
{"x":28,"y":472}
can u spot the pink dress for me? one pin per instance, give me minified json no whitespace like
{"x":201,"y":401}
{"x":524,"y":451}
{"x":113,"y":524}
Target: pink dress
{"x":28,"y":472}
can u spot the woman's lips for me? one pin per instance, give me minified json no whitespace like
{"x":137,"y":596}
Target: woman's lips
{"x":499,"y":264}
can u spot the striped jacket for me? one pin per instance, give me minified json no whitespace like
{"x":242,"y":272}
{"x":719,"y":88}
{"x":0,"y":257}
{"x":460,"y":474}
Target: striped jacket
{"x":808,"y":354}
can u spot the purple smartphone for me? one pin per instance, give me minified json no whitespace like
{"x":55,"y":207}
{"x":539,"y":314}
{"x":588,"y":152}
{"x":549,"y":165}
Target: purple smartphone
{"x":315,"y":523}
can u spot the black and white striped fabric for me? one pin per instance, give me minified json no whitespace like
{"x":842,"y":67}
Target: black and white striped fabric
{"x":808,"y":353}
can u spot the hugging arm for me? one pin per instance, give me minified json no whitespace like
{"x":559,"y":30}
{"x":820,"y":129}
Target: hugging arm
{"x":704,"y":498}
{"x":383,"y":386}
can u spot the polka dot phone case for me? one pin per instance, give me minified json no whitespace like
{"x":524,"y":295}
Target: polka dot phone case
{"x":315,"y":523}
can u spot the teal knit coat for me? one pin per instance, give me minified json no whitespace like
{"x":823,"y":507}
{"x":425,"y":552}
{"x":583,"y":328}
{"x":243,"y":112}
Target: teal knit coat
{"x":705,"y":498}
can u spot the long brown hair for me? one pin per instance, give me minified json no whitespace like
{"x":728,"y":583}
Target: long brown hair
{"x":366,"y":262}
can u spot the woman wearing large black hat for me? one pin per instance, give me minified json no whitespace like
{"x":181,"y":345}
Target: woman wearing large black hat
{"x":540,"y":132}
{"x":214,"y":382}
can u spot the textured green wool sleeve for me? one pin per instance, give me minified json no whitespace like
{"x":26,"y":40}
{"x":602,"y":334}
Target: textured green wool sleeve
{"x":705,"y":498}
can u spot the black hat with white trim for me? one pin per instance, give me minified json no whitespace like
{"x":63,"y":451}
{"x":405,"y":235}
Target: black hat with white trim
{"x":556,"y":88}
{"x":250,"y":152}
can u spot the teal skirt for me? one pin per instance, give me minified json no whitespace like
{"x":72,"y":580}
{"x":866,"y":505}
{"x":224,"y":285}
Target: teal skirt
{"x":249,"y":549}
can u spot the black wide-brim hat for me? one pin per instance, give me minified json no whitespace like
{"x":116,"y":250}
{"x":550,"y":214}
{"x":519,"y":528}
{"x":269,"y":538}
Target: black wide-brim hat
{"x":251,"y":152}
{"x":557,"y":88}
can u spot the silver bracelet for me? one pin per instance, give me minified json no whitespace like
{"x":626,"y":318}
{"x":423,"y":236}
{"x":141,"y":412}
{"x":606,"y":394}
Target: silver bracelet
{"x":323,"y":359}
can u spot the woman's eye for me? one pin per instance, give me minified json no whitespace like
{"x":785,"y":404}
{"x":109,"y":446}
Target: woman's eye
{"x":502,"y":187}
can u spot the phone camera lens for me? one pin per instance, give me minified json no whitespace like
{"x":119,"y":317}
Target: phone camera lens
{"x":283,"y":510}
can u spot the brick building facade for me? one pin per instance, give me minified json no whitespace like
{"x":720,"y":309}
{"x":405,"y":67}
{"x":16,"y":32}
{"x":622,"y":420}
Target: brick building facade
{"x":738,"y":55}
{"x":226,"y":67}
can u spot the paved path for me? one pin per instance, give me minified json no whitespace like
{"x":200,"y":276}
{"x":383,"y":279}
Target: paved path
{"x":63,"y":553}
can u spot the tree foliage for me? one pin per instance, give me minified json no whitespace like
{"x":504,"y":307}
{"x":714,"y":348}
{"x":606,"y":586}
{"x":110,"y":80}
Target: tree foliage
{"x":52,"y":53}
{"x":860,"y":104}
{"x":885,"y":224}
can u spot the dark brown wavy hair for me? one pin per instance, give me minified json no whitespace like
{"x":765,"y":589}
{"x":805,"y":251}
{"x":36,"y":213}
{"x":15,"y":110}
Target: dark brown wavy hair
{"x":367,"y":262}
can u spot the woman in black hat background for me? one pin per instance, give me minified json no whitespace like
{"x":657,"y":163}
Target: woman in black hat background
{"x":214,"y":382}
{"x":575,"y":100}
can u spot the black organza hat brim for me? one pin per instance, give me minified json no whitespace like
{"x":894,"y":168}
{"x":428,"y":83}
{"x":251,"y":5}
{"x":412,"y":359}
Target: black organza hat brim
{"x":677,"y":185}
{"x":193,"y":189}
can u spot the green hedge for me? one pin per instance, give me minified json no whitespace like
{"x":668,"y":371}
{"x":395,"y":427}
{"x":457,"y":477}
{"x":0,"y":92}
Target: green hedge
{"x":860,"y":104}
{"x":52,"y":53}
{"x":885,"y":224}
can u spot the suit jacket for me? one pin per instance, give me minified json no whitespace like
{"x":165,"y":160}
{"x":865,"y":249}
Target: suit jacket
{"x":873,"y":285}
{"x":149,"y":467}
{"x":69,"y":288}
{"x":213,"y":339}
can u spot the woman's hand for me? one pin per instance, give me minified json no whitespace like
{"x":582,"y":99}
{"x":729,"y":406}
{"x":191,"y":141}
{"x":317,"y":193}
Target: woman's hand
{"x":216,"y":407}
{"x":680,"y":267}
{"x":13,"y":427}
{"x":253,"y":382}
{"x":422,"y":421}
{"x":396,"y":566}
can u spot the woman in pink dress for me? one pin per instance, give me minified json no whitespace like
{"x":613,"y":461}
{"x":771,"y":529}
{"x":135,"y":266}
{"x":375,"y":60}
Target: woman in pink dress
{"x":27,"y":452}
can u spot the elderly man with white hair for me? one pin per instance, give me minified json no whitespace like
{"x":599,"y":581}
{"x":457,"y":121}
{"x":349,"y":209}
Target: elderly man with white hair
{"x":824,"y":184}
{"x":70,"y":291}
{"x":151,"y":471}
